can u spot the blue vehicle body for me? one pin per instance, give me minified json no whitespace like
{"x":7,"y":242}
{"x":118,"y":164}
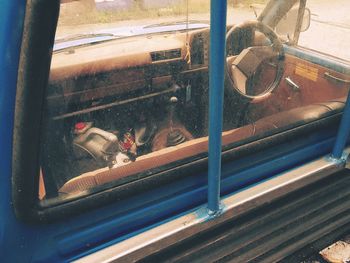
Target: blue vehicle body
{"x":12,"y":17}
{"x":78,"y":236}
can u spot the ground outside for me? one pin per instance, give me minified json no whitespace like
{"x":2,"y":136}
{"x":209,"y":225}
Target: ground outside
{"x":336,"y":252}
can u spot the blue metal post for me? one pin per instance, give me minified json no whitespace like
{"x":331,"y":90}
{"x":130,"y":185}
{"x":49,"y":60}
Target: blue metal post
{"x":343,"y":132}
{"x":216,"y":96}
{"x":11,"y":27}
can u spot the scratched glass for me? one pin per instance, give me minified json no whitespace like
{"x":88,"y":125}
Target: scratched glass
{"x":128,"y":88}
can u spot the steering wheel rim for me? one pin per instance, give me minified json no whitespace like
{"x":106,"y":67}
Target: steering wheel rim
{"x":276,"y":46}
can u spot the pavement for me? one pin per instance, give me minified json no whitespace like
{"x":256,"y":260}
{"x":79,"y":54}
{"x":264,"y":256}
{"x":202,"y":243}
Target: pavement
{"x":329,"y":30}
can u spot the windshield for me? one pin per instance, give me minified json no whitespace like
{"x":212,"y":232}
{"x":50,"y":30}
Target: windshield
{"x":100,"y":20}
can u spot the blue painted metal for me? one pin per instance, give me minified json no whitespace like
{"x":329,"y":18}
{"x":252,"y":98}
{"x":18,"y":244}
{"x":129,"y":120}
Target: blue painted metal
{"x":72,"y":244}
{"x":218,"y":12}
{"x":80,"y":235}
{"x":258,"y":173}
{"x":90,"y":232}
{"x":11,"y":24}
{"x":343,"y":132}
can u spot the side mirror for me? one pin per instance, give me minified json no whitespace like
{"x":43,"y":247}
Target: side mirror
{"x":286,"y":25}
{"x":306,"y":20}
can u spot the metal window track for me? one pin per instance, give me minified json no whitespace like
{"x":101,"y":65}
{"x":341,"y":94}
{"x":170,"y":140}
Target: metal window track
{"x":263,"y":223}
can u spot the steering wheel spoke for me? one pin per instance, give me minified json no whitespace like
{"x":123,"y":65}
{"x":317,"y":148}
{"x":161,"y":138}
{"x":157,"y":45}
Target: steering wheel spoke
{"x":239,"y":78}
{"x":251,"y":61}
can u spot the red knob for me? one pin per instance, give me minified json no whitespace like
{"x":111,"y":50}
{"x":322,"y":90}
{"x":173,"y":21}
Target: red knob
{"x":80,"y":125}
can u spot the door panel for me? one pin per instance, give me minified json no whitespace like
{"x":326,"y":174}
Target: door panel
{"x":317,"y":81}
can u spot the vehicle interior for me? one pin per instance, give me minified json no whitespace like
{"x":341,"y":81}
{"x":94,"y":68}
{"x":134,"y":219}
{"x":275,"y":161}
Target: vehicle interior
{"x":136,"y":109}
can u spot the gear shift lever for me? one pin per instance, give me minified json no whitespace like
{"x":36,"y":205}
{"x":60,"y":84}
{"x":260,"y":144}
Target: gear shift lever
{"x":175,"y":136}
{"x":173,"y":101}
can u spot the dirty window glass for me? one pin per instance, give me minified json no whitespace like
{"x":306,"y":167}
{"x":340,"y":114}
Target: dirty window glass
{"x":128,"y":89}
{"x":329,"y":28}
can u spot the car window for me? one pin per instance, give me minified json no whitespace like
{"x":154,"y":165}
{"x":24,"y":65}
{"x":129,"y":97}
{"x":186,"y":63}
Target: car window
{"x":128,"y":90}
{"x":329,"y":28}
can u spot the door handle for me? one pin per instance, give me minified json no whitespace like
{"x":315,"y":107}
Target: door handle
{"x":331,"y":77}
{"x":292,"y":84}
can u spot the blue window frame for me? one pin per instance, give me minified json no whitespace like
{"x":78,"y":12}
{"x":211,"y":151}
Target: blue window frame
{"x":216,"y":98}
{"x":216,"y":75}
{"x":131,"y":215}
{"x":81,"y":101}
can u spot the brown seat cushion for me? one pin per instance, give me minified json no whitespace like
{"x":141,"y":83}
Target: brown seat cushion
{"x":199,"y":146}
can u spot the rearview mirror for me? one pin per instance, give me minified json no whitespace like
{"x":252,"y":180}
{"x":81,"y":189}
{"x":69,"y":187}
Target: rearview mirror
{"x":286,"y":25}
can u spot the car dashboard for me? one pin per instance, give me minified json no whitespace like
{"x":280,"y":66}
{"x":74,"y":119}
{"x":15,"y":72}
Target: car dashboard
{"x":123,"y":66}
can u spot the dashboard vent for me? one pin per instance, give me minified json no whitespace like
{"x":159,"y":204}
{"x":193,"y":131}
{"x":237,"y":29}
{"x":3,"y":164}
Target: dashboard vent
{"x":166,"y":54}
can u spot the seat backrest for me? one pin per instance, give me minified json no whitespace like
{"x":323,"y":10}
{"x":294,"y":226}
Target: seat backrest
{"x":199,"y":147}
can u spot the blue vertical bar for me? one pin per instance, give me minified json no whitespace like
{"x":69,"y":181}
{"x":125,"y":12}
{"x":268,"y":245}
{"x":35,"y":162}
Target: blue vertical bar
{"x":218,"y":9}
{"x":11,"y":27}
{"x":343,"y":132}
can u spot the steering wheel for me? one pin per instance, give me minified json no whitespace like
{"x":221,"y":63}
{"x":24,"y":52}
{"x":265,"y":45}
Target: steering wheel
{"x":253,"y":64}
